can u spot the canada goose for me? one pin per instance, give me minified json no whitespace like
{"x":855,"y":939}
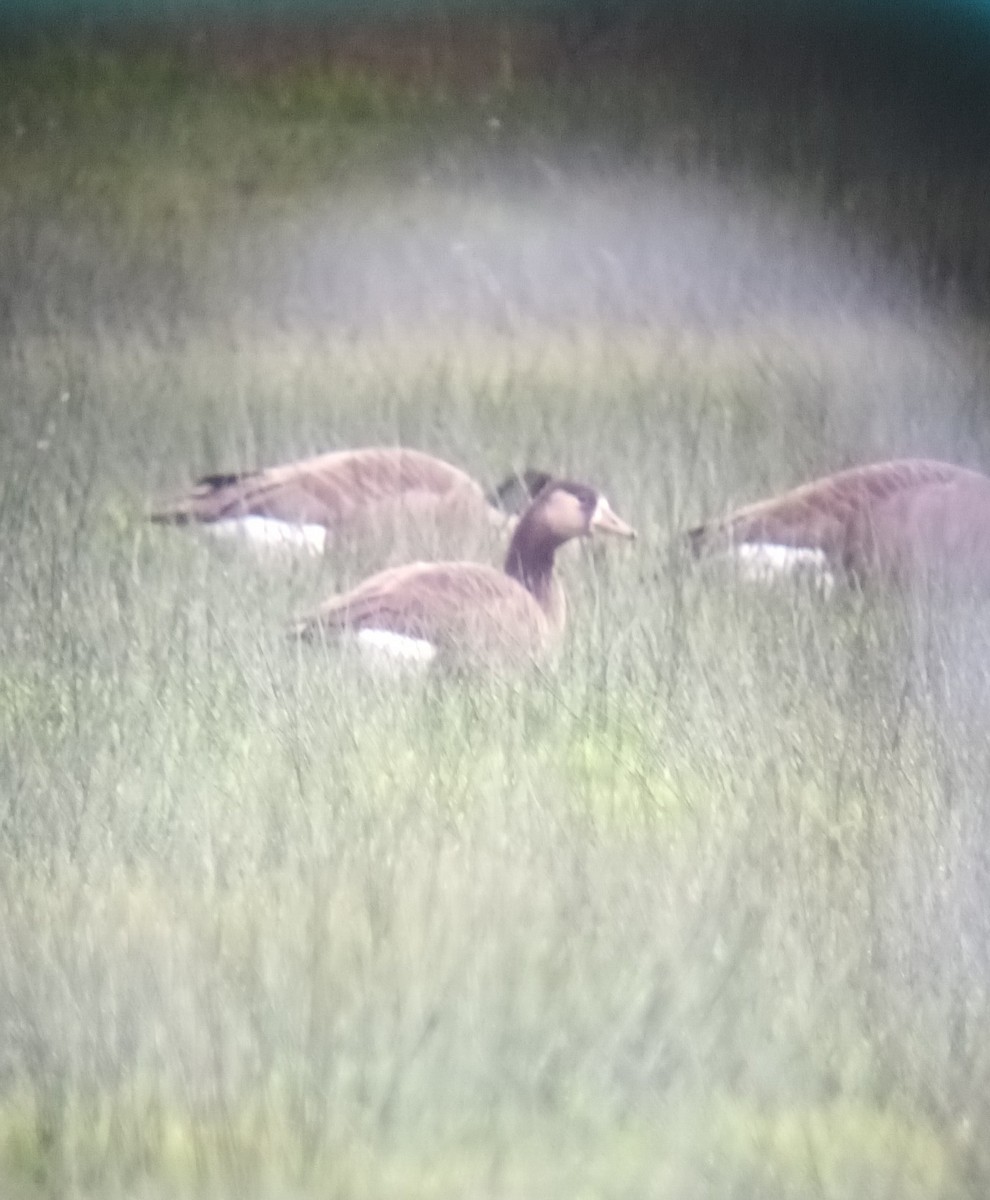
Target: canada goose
{"x":900,"y":520}
{"x":299,"y":505}
{"x":472,"y":611}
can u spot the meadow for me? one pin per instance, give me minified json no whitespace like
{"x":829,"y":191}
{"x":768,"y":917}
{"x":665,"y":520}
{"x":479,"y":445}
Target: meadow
{"x":698,"y":911}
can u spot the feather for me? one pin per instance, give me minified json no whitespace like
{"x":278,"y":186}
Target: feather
{"x":346,"y":492}
{"x":892,"y":518}
{"x":473,"y":611}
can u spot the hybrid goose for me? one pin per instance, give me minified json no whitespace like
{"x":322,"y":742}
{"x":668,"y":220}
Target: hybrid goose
{"x":470,"y":611}
{"x":900,"y":520}
{"x":345,"y":493}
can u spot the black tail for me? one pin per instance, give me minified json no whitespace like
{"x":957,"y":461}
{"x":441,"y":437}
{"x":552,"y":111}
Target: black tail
{"x":214,"y":483}
{"x":196,"y":505}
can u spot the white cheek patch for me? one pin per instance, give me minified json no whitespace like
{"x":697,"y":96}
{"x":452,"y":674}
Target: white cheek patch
{"x":266,"y":533}
{"x":385,"y":646}
{"x":764,"y":562}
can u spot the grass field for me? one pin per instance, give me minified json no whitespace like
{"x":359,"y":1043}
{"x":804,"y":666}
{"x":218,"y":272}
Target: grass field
{"x":700,"y":912}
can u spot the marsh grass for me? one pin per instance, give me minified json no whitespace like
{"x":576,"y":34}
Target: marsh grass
{"x":700,"y":910}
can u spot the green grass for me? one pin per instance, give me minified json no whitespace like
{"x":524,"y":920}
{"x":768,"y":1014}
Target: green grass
{"x":700,"y":911}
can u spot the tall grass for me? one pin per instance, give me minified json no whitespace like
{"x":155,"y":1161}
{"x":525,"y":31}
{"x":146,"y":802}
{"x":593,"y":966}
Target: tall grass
{"x":700,"y":911}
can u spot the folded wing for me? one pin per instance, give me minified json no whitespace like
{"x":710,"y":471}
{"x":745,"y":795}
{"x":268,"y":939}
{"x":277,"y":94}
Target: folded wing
{"x":465,"y":607}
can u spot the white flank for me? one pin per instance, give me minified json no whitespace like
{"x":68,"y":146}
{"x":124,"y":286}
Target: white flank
{"x":763,"y":562}
{"x":395,"y":648}
{"x":265,"y":533}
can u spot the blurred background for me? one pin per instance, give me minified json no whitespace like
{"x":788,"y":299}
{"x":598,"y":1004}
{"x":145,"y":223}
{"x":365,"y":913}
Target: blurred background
{"x":702,"y":913}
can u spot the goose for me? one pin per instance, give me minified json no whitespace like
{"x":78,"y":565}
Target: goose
{"x":899,"y":520}
{"x":300,"y":505}
{"x":468,"y":611}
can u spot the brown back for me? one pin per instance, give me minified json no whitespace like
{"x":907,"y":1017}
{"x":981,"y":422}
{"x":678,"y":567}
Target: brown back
{"x":472,"y":607}
{"x":329,"y":489}
{"x":855,"y":516}
{"x":942,"y":527}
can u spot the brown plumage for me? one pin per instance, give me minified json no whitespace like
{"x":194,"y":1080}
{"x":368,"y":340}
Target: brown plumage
{"x":900,"y":519}
{"x":343,"y":493}
{"x":472,"y":611}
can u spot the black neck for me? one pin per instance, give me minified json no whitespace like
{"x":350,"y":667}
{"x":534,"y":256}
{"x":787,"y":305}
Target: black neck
{"x":530,"y":558}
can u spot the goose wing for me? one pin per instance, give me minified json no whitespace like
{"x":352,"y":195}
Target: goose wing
{"x":942,"y":524}
{"x":467,"y":606}
{"x":327,"y":489}
{"x":825,"y":513}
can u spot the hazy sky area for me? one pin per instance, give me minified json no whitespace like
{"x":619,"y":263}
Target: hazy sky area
{"x":676,"y":216}
{"x":572,"y":243}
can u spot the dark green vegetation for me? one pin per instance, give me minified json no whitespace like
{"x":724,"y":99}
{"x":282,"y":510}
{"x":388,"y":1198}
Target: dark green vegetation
{"x":700,"y":913}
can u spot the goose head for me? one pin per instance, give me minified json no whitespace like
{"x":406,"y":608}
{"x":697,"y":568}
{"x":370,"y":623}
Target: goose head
{"x":560,"y":512}
{"x":513,"y":495}
{"x":563,"y":510}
